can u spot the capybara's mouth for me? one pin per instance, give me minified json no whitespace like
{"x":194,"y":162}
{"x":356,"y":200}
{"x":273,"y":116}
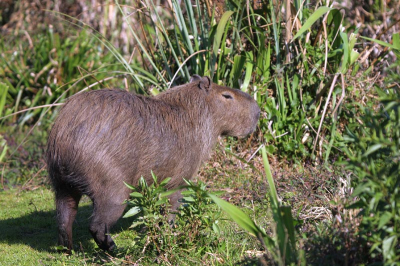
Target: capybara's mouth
{"x":248,"y":133}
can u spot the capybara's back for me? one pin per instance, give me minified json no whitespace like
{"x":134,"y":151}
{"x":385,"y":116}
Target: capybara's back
{"x":104,"y":138}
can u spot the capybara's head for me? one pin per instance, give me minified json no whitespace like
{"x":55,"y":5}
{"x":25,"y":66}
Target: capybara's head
{"x":235,"y":113}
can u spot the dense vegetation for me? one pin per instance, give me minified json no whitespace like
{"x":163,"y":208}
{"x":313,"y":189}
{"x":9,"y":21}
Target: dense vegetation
{"x":326,"y":79}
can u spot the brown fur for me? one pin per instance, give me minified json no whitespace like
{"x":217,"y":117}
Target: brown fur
{"x":102,"y":138}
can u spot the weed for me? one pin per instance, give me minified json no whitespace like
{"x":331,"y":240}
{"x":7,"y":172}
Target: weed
{"x":191,"y":230}
{"x":373,"y":151}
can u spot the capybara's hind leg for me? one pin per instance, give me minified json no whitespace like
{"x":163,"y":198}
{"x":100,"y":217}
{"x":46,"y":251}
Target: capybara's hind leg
{"x":66,"y":206}
{"x":105,"y":214}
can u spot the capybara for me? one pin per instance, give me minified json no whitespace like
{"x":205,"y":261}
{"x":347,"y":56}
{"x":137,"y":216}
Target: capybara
{"x":104,"y":137}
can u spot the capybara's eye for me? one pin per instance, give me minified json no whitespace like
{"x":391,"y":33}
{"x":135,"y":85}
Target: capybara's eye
{"x":227,"y":95}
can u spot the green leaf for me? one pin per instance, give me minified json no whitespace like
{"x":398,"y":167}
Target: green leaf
{"x":288,"y":221}
{"x":353,"y":56}
{"x":161,"y":202}
{"x":216,"y":228}
{"x":357,"y":205}
{"x":373,"y":149}
{"x":395,"y":47}
{"x":153,"y":175}
{"x":335,"y":17}
{"x":136,"y":195}
{"x":237,"y":69}
{"x":168,"y":192}
{"x":3,"y":94}
{"x":388,"y":246}
{"x":373,"y":204}
{"x":165,"y":181}
{"x":129,"y":186}
{"x":249,"y":71}
{"x":276,"y":28}
{"x":362,"y":188}
{"x":384,"y":219}
{"x":352,"y":41}
{"x":272,"y":189}
{"x":3,"y":148}
{"x":189,"y":199}
{"x":187,"y":192}
{"x":133,"y":211}
{"x":396,"y":41}
{"x":218,"y":37}
{"x":166,"y":36}
{"x":311,"y":20}
{"x":345,"y":57}
{"x":135,"y":224}
{"x":242,"y":219}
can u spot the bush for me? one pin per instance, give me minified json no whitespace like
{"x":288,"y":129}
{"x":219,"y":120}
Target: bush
{"x":194,"y":229}
{"x":374,"y":158}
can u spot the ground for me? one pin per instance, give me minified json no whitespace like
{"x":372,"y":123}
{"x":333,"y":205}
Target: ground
{"x":235,"y":169}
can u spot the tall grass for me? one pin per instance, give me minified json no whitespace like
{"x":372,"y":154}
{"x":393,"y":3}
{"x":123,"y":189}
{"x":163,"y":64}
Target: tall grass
{"x":295,"y":64}
{"x":296,"y":71}
{"x":50,"y":70}
{"x":282,"y":245}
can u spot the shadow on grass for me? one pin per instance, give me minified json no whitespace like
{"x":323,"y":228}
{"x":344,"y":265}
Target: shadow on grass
{"x":38,"y":230}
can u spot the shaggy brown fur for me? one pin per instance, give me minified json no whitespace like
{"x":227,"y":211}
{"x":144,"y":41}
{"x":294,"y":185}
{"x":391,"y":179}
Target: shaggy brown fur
{"x":102,"y":138}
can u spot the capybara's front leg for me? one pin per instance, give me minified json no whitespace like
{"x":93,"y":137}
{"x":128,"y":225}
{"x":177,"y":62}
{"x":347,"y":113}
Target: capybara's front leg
{"x":175,"y":201}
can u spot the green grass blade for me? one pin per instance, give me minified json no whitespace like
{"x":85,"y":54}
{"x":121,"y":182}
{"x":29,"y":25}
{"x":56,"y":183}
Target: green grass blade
{"x":193,"y":26}
{"x":133,"y":211}
{"x":204,"y":38}
{"x":183,"y":70}
{"x":311,"y":20}
{"x":181,"y":54}
{"x":110,"y":47}
{"x":182,"y":26}
{"x":268,"y":62}
{"x":287,"y":218}
{"x":395,"y":45}
{"x":396,"y":40}
{"x":289,"y":89}
{"x":165,"y":35}
{"x":3,"y":96}
{"x":331,"y":141}
{"x":283,"y":218}
{"x":3,"y":148}
{"x":345,"y":58}
{"x":275,"y":27}
{"x":192,"y":20}
{"x":218,"y":37}
{"x":140,"y":44}
{"x":272,"y":189}
{"x":238,"y":65}
{"x":249,"y":71}
{"x":298,"y":6}
{"x":242,"y":219}
{"x":281,"y":98}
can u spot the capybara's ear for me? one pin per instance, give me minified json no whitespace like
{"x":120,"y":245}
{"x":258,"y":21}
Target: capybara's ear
{"x":205,"y":83}
{"x":195,"y":78}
